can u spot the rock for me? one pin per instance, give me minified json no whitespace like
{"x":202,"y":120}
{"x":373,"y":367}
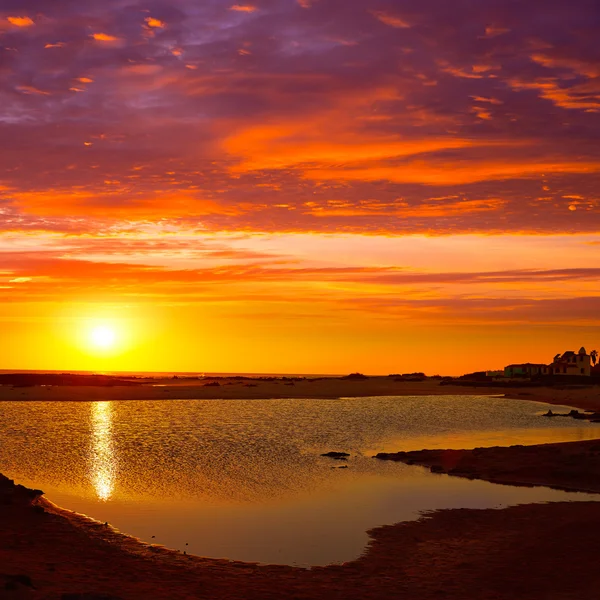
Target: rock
{"x":336,"y":455}
{"x":549,"y":414}
{"x":437,"y":469}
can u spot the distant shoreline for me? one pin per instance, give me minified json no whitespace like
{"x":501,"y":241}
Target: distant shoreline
{"x":584,"y":397}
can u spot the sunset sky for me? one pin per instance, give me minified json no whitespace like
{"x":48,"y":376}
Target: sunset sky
{"x":298,"y":186}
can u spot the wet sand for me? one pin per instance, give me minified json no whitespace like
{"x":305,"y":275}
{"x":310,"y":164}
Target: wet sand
{"x":571,"y":466}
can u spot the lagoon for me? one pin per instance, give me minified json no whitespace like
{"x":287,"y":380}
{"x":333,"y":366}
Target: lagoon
{"x":244,"y":479}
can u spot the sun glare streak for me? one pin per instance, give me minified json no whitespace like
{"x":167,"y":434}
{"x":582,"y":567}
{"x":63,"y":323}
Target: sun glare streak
{"x":102,"y":459}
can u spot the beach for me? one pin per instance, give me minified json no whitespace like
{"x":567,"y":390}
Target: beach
{"x":527,"y":552}
{"x":585,"y":397}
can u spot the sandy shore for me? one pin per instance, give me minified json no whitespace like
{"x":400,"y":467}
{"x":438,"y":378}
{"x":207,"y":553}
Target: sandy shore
{"x":569,"y":465}
{"x":584,"y":397}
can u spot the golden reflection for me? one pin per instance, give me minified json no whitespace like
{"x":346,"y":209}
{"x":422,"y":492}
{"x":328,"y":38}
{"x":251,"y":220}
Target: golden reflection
{"x":102,"y":459}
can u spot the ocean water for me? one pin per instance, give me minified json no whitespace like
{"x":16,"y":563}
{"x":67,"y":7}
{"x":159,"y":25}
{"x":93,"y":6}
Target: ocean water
{"x":244,"y":479}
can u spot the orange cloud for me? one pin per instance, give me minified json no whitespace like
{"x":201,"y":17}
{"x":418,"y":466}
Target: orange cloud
{"x":281,"y":146}
{"x":20,"y":21}
{"x":588,"y":68}
{"x":461,"y":72}
{"x":483,"y":99}
{"x":452,"y":172}
{"x":427,"y":209}
{"x":104,"y":37}
{"x":243,"y":8}
{"x":154,"y":23}
{"x":30,"y":89}
{"x":391,"y":20}
{"x":122,"y":201}
{"x":583,"y":96}
{"x":492,"y":31}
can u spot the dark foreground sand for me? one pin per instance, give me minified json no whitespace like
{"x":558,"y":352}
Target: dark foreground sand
{"x":525,"y":552}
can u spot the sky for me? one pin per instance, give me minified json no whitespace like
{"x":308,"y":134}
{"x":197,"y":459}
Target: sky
{"x":298,"y":186}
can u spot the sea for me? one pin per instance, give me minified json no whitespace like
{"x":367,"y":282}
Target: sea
{"x":246,"y":479}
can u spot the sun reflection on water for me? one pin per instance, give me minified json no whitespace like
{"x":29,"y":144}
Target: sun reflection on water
{"x":102,"y":459}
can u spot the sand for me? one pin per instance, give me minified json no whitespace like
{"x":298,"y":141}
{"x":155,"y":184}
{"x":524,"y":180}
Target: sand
{"x":530,"y":552}
{"x":571,"y":466}
{"x":584,"y":397}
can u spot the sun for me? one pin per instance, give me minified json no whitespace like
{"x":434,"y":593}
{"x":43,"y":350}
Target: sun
{"x":103,"y":337}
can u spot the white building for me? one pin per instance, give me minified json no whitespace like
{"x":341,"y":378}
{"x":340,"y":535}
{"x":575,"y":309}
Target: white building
{"x":571,"y":363}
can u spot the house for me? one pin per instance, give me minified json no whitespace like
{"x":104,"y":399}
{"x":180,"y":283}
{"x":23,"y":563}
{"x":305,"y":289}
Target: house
{"x":495,"y":374}
{"x":523,"y":370}
{"x":571,"y":363}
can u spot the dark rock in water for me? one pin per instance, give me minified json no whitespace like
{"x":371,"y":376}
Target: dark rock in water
{"x":549,"y":414}
{"x":212,"y":384}
{"x":336,"y":455}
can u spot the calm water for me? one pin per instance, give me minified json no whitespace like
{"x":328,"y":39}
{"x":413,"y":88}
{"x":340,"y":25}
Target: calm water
{"x":244,"y":480}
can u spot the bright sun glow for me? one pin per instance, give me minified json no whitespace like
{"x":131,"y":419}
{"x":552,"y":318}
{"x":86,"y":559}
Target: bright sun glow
{"x":103,"y":337}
